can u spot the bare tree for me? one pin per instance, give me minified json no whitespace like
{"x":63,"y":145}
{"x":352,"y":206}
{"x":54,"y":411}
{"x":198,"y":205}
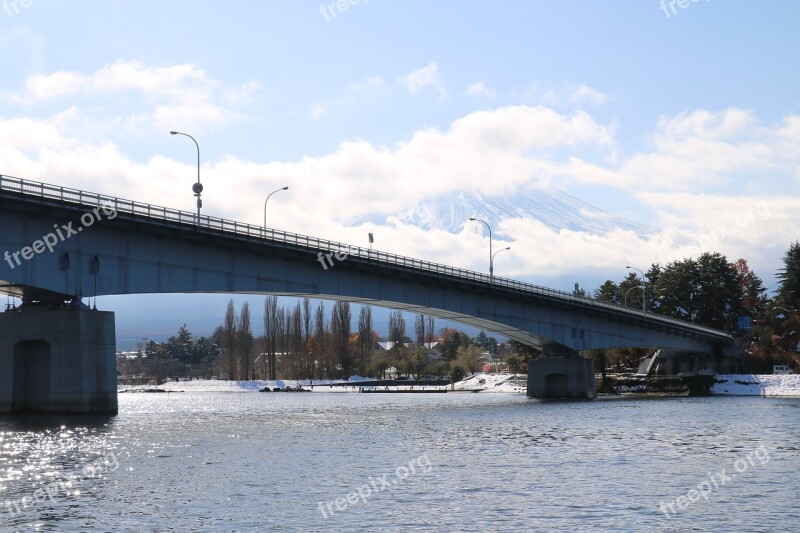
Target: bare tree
{"x":244,"y":336}
{"x":423,"y":327}
{"x":229,"y":339}
{"x":397,"y":329}
{"x":296,"y":327}
{"x":283,"y":337}
{"x":308,"y":358}
{"x":419,"y":329}
{"x":431,"y":328}
{"x":320,"y":340}
{"x":397,"y":335}
{"x":340,"y":332}
{"x":271,"y":333}
{"x":364,"y":338}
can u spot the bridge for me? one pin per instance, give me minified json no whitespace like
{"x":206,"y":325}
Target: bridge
{"x":60,"y":245}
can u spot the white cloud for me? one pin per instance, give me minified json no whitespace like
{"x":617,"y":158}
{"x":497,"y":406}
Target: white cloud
{"x":428,"y":76}
{"x":497,"y":152}
{"x":584,"y":93}
{"x":566,"y":93}
{"x":480,"y":89}
{"x":245,"y":92}
{"x":117,"y":77}
{"x":178,"y":94}
{"x":699,"y":150}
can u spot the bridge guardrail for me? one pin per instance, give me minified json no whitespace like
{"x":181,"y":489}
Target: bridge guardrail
{"x":67,"y":194}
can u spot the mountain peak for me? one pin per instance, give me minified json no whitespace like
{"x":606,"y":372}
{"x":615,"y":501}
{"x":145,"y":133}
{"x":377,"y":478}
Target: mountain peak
{"x":554,"y":208}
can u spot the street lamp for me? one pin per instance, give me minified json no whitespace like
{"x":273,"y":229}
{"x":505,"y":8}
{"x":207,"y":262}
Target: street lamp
{"x":197,"y":188}
{"x":625,"y":299}
{"x":265,"y":205}
{"x":491,"y":257}
{"x":644,"y":294}
{"x":497,"y":252}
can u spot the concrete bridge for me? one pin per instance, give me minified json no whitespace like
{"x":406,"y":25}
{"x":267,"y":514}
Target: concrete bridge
{"x":60,"y":245}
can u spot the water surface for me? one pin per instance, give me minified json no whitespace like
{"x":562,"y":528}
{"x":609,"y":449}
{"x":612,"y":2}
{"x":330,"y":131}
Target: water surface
{"x":441,"y":462}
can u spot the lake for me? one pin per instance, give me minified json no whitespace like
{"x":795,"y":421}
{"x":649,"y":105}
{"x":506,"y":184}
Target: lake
{"x":383,"y":462}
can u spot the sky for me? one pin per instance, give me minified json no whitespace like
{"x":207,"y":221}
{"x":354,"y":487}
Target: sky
{"x":682,"y":115}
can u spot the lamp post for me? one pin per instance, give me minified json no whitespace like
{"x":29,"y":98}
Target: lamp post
{"x":491,"y":269}
{"x":497,"y":252}
{"x":265,"y":205}
{"x":644,"y":293}
{"x":625,"y":299}
{"x":197,"y":188}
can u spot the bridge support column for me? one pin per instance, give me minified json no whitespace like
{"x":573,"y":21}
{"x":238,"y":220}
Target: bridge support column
{"x":57,"y":361}
{"x":561,"y":377}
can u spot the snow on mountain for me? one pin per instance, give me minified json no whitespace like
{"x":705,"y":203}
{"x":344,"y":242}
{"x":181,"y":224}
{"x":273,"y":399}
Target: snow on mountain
{"x":554,"y":208}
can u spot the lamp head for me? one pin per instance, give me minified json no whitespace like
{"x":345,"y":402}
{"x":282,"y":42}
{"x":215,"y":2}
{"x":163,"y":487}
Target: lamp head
{"x":286,"y":188}
{"x":472,"y":219}
{"x":173,"y":133}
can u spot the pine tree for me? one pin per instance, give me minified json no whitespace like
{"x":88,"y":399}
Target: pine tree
{"x":608,"y":292}
{"x":789,"y":278}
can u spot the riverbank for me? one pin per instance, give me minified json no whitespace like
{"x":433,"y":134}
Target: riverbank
{"x":726,"y":385}
{"x":508,"y":383}
{"x":787,"y":385}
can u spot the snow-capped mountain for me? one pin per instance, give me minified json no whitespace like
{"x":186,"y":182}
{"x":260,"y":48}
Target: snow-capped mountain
{"x":554,"y":208}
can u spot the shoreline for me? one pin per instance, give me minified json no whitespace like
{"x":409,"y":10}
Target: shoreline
{"x":763,"y":385}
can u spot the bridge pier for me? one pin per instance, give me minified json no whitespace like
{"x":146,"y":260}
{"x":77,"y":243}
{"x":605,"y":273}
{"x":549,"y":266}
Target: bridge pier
{"x":57,"y":361}
{"x":561,"y":377}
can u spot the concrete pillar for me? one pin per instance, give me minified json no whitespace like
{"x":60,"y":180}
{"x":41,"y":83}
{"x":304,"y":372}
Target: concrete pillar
{"x":58,"y":361}
{"x":561,"y":377}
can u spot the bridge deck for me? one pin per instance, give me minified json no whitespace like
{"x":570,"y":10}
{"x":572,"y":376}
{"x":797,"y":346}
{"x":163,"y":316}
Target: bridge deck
{"x":43,"y":193}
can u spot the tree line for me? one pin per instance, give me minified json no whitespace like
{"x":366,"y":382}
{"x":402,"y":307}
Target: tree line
{"x":727,"y":295}
{"x":307,"y":341}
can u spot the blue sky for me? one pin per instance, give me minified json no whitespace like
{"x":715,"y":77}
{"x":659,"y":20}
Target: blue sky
{"x":682,"y":122}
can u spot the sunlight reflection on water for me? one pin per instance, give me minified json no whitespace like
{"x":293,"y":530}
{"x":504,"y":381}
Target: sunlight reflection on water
{"x":257,"y":462}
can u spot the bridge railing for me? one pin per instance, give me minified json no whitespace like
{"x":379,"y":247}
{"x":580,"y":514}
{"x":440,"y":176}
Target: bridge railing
{"x":315,"y":244}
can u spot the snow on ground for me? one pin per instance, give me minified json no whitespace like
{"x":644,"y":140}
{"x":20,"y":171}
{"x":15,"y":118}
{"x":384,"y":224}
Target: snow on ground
{"x":757,"y":385}
{"x":493,"y":383}
{"x":219,"y":385}
{"x":204,"y":385}
{"x":477,"y":382}
{"x":730,"y":385}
